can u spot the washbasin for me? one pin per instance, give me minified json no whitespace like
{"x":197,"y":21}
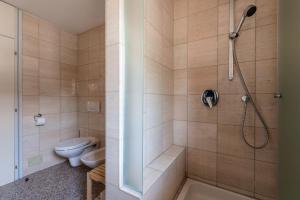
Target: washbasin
{"x":94,"y":158}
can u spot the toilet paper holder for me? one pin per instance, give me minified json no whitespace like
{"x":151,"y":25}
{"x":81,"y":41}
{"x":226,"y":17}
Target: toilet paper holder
{"x":39,"y":120}
{"x":210,"y":98}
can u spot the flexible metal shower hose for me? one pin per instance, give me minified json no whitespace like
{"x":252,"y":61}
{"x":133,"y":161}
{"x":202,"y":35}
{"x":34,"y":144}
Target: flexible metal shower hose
{"x":267,"y":132}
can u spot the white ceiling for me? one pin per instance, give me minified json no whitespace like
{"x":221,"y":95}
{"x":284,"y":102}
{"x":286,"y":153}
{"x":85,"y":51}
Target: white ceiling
{"x":75,"y":16}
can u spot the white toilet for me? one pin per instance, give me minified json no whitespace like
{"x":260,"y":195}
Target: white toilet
{"x":73,"y":148}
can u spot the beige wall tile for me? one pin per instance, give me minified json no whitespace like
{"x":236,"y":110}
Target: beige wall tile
{"x":234,"y":86}
{"x":30,"y":46}
{"x":245,"y":46}
{"x":84,"y":40}
{"x":68,"y":120}
{"x":96,"y":121}
{"x":30,"y":66}
{"x":223,"y":49}
{"x":83,"y":120}
{"x":223,"y":19}
{"x":201,"y":5}
{"x":96,"y":88}
{"x":83,"y":56}
{"x":52,"y":123}
{"x":48,"y":140}
{"x":69,"y":40}
{"x":266,"y":179}
{"x":269,"y":110}
{"x":230,"y":142}
{"x":202,"y":78}
{"x":49,"y":51}
{"x":197,"y":111}
{"x":68,"y":104}
{"x":153,"y":77}
{"x":266,"y":76}
{"x":83,"y":73}
{"x":230,"y":111}
{"x":96,"y":54}
{"x":180,"y":132}
{"x":49,"y":69}
{"x":180,"y":31}
{"x":236,"y":172}
{"x":202,"y":136}
{"x":112,"y":68}
{"x":49,"y":87}
{"x":180,"y":82}
{"x":270,"y":152}
{"x":266,"y":42}
{"x":203,"y":52}
{"x":202,"y":165}
{"x":180,"y":8}
{"x":68,"y":72}
{"x":180,"y":107}
{"x":180,"y":56}
{"x":28,"y":126}
{"x":30,"y":85}
{"x":30,"y":25}
{"x":49,"y":32}
{"x":154,"y":13}
{"x":30,"y":105}
{"x":152,"y":110}
{"x":49,"y":105}
{"x":68,"y":56}
{"x":30,"y":145}
{"x":96,"y":71}
{"x":68,"y":88}
{"x":203,"y":24}
{"x":82,"y":88}
{"x":267,"y":12}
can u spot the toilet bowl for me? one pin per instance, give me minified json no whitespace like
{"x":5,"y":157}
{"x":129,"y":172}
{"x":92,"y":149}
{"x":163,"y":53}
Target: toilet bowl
{"x":94,"y":158}
{"x":73,"y":148}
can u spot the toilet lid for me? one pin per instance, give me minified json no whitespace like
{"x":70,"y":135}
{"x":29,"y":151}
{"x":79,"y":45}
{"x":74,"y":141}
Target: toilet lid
{"x":72,"y":144}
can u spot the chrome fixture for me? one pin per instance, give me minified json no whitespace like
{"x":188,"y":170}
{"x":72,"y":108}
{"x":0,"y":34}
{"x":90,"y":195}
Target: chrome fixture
{"x":247,"y":98}
{"x":248,"y":12}
{"x":210,"y":98}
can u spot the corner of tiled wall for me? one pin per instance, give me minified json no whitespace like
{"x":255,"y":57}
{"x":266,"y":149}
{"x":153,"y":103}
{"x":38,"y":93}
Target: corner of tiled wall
{"x":49,"y":58}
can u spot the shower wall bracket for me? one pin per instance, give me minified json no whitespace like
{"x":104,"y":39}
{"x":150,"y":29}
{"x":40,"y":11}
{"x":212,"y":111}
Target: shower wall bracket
{"x":231,"y":29}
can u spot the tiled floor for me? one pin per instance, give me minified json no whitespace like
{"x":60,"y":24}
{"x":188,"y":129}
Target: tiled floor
{"x":60,"y":182}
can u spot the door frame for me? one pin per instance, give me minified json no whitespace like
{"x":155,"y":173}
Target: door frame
{"x":18,"y":96}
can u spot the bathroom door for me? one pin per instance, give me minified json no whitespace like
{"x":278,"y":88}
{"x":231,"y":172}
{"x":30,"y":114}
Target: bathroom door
{"x":7,"y":92}
{"x":289,"y":64}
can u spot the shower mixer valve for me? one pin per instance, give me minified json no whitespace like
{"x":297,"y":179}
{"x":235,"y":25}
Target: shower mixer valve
{"x":210,"y":98}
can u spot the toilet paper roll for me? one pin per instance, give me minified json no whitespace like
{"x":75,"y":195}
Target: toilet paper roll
{"x":40,"y":121}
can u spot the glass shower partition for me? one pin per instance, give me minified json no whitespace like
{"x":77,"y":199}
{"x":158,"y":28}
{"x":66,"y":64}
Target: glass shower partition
{"x":132,"y":98}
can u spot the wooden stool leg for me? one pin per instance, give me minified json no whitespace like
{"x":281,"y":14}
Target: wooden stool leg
{"x":89,"y":185}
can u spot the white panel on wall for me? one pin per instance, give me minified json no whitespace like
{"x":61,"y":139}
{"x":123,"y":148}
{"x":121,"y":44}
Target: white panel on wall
{"x":7,"y":97}
{"x":7,"y":20}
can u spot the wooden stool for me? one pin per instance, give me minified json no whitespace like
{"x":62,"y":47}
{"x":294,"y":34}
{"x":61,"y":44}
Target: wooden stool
{"x":97,"y":175}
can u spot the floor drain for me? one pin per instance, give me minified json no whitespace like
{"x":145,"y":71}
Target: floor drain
{"x":26,"y":179}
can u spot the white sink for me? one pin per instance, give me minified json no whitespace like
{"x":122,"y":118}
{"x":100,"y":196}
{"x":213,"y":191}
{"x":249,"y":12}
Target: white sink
{"x":94,"y":158}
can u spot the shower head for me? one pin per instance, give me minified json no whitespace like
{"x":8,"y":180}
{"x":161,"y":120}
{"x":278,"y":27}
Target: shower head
{"x":248,"y":12}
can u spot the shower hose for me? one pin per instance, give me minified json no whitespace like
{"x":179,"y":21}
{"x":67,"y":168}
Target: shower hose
{"x":248,"y":98}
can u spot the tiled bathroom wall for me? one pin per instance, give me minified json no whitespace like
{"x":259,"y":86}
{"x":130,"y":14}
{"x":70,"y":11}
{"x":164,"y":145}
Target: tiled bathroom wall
{"x":216,"y":152}
{"x":62,"y":72}
{"x":158,"y":78}
{"x":91,"y":82}
{"x":49,"y":87}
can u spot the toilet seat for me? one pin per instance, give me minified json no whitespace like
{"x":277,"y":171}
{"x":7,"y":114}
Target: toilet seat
{"x":72,"y":144}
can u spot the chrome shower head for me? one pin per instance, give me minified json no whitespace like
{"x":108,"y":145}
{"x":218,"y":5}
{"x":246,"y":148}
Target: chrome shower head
{"x":250,"y":10}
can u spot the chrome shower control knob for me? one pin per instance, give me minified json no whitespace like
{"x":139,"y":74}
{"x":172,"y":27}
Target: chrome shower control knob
{"x":210,"y":98}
